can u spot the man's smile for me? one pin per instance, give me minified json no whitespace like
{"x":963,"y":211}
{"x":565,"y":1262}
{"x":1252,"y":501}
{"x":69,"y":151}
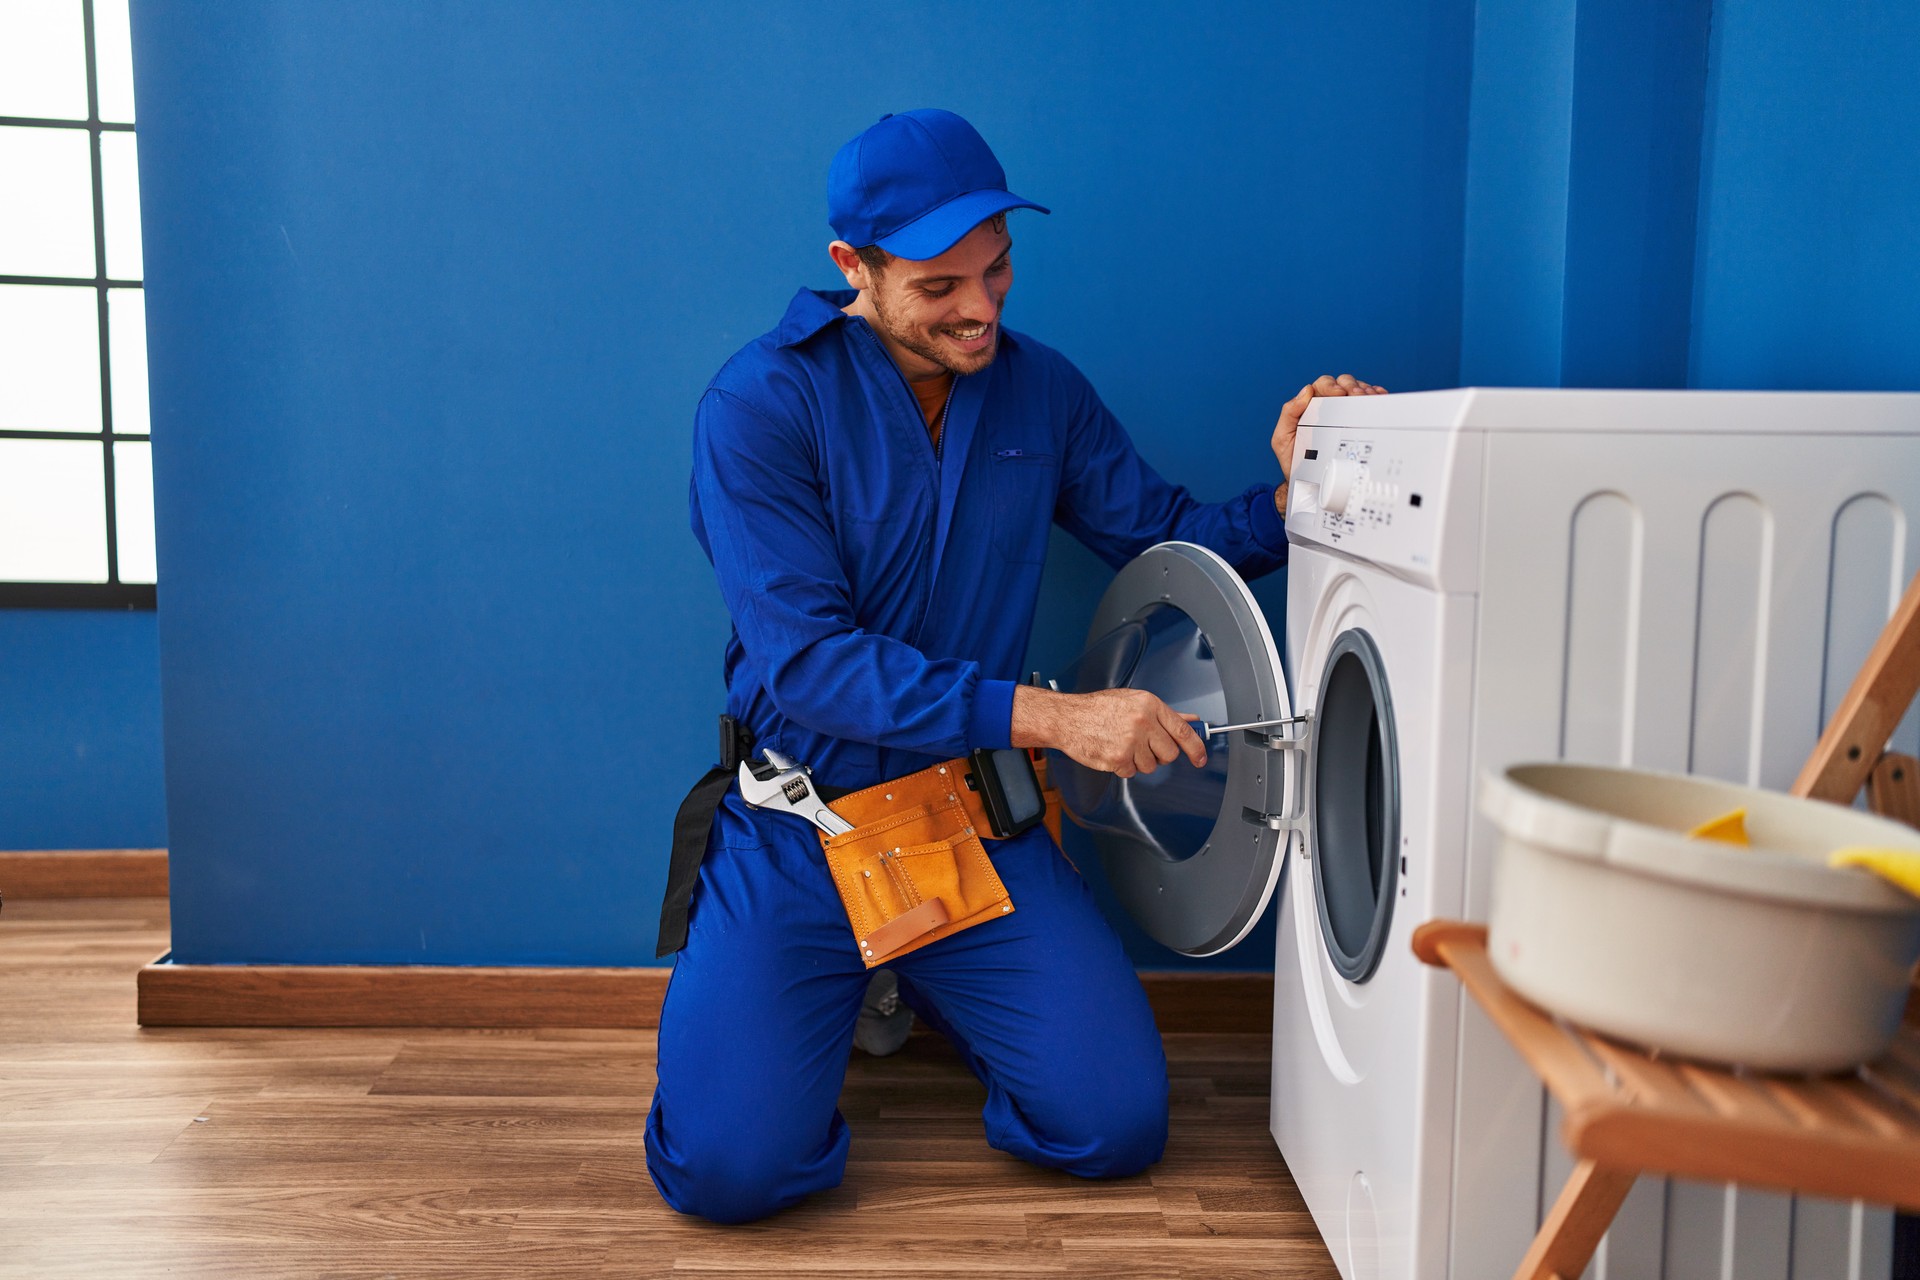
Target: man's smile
{"x":970,"y":338}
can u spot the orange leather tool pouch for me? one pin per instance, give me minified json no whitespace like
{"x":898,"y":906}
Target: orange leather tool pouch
{"x":913,"y":870}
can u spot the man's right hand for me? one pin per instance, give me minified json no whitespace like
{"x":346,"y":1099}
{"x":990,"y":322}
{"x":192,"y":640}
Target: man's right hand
{"x":1118,"y":731}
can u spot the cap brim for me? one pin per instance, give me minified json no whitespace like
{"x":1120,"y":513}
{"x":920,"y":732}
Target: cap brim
{"x":939,"y":229}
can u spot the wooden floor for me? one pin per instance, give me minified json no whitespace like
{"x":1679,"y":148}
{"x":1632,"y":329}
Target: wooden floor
{"x":200,"y":1153}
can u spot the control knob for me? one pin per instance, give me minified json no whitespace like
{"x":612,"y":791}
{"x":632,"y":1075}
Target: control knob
{"x":1336,"y":486}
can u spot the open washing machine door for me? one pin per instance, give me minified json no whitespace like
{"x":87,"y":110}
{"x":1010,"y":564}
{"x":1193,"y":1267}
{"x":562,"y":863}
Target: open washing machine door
{"x":1192,"y":854}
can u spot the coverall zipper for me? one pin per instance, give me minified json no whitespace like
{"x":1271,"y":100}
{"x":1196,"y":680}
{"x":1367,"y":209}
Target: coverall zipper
{"x":938,"y":440}
{"x":940,"y":423}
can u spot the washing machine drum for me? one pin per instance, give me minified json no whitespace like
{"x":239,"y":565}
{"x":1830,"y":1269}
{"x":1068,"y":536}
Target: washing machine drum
{"x":1192,"y":854}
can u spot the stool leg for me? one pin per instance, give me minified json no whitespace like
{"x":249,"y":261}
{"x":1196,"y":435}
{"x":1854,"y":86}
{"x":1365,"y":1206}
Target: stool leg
{"x":1870,"y":712}
{"x":1579,"y":1218}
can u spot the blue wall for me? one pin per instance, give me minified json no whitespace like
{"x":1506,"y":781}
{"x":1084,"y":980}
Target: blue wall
{"x":432,"y":291}
{"x":1809,"y":271}
{"x":79,"y":731}
{"x":1582,"y":185}
{"x":1693,"y":194}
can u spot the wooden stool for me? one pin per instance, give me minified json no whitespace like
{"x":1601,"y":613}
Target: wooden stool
{"x":1852,"y":1137}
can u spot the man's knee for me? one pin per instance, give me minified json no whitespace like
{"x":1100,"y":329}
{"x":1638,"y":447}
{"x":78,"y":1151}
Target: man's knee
{"x":1131,"y":1134}
{"x":724,"y":1190}
{"x":1111,"y":1130}
{"x":723,"y":1178}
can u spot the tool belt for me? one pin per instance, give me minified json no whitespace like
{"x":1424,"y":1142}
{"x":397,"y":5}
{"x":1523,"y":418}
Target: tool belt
{"x":914,"y":869}
{"x":933,"y":880}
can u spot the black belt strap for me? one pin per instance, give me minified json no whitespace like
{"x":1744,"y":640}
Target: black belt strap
{"x":693,"y":825}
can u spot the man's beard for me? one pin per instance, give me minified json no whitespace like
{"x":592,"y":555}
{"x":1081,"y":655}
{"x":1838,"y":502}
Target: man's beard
{"x":915,"y":343}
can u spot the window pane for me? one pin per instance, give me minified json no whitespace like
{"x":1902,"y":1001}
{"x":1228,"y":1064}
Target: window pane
{"x":133,"y":508}
{"x":127,"y":359}
{"x":113,"y":60}
{"x":120,"y":201}
{"x":53,"y":512}
{"x":46,"y":219}
{"x":43,"y":59}
{"x":49,"y":358}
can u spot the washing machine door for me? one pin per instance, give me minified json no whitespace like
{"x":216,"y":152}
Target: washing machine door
{"x":1192,"y":854}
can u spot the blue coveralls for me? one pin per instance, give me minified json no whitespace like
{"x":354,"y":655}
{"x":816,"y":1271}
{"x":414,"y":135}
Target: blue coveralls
{"x":882,"y":596}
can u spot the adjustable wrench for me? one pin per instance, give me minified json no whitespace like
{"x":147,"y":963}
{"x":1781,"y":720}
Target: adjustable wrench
{"x":790,"y":791}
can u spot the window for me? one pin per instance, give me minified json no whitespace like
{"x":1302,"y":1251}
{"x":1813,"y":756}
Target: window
{"x":76,"y":466}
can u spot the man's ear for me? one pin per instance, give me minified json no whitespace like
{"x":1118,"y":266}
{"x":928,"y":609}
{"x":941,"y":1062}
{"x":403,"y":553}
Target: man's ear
{"x":845,"y":258}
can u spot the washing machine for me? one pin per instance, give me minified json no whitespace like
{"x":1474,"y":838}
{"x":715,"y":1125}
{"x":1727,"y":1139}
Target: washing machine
{"x":1673,"y":580}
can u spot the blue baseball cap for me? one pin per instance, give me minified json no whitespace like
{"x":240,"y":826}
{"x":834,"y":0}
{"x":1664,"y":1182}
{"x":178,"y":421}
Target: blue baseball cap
{"x":915,"y":183}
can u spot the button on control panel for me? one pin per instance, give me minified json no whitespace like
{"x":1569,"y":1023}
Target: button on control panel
{"x":1359,"y":488}
{"x":1375,"y":495}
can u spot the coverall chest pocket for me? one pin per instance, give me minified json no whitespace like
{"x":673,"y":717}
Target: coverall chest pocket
{"x":1025,"y":486}
{"x":881,"y":552}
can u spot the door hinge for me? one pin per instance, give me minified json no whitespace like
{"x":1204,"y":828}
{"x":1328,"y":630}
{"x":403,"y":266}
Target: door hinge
{"x":1289,"y":739}
{"x":1283,"y":735}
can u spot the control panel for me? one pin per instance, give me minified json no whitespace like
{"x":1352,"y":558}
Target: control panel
{"x":1384,"y":496}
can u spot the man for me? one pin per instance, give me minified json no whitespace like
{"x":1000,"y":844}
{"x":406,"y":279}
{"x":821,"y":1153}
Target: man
{"x":874,"y":481}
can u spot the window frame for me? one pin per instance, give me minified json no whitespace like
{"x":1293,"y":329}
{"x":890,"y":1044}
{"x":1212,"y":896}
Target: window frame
{"x":113,"y":593}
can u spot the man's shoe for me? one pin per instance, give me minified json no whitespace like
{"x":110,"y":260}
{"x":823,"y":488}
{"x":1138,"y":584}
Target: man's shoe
{"x":884,"y":1020}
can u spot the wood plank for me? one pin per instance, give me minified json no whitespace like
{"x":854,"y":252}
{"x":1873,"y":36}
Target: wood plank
{"x":1735,"y":1097}
{"x":1245,"y":1226}
{"x":1578,"y":1219}
{"x":1897,"y":1080}
{"x":1647,"y":1082}
{"x":1209,"y":1256}
{"x":1555,"y":1055}
{"x":1860,"y":1167}
{"x":1856,"y":737}
{"x":1893,"y":788}
{"x":59,"y":874}
{"x":1814,"y":1104}
{"x":351,"y":995}
{"x":494,"y":1152}
{"x":188,"y":995}
{"x":1880,"y":1111}
{"x":1847,"y":1137}
{"x":1058,"y":1226}
{"x":1221,"y":1003}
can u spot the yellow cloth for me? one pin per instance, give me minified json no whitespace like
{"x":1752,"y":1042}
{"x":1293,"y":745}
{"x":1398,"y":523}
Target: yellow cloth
{"x":1896,"y":866}
{"x":1728,"y":828}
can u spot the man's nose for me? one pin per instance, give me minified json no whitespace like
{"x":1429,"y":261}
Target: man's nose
{"x":977,"y":303}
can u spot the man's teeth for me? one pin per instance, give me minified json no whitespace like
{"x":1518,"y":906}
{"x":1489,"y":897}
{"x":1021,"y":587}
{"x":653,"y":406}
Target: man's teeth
{"x":968,"y":335}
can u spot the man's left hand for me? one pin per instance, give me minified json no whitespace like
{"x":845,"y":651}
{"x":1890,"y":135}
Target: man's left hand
{"x":1288,"y":428}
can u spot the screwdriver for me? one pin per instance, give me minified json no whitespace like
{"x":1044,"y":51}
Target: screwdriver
{"x":1205,"y":730}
